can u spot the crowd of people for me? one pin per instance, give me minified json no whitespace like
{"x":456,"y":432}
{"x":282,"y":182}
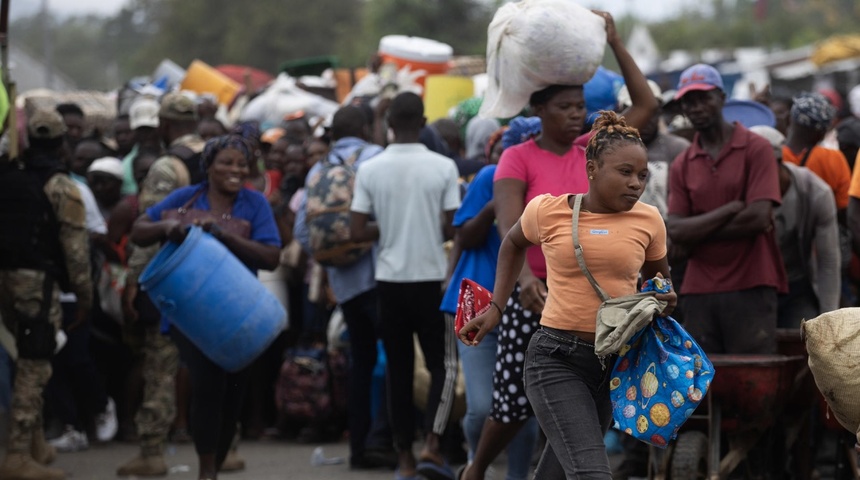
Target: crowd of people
{"x":755,"y":228}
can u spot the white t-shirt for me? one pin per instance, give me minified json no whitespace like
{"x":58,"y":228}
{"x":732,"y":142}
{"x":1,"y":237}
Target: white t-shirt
{"x":95,"y":224}
{"x":407,"y":187}
{"x":94,"y":218}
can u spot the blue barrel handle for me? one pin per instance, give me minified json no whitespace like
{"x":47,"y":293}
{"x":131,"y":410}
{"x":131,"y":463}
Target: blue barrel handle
{"x":165,"y":304}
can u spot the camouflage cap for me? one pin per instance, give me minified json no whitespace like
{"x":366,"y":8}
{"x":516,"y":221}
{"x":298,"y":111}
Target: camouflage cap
{"x":46,"y":124}
{"x":176,"y":106}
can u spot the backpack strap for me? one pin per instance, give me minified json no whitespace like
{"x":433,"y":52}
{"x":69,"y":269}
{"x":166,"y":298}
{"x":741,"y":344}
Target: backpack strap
{"x":350,"y":161}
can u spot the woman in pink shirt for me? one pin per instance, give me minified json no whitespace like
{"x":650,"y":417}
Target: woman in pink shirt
{"x":553,"y":163}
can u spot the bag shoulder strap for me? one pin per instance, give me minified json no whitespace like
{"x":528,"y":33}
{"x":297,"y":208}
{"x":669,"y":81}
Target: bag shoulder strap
{"x":577,"y":249}
{"x":806,"y":156}
{"x":191,"y":201}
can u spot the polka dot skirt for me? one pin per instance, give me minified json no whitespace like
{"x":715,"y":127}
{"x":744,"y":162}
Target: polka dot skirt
{"x":509,"y":395}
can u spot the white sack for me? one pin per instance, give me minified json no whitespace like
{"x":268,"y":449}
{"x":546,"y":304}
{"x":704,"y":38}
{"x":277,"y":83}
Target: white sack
{"x":282,"y":98}
{"x":533,"y":44}
{"x":833,"y":344}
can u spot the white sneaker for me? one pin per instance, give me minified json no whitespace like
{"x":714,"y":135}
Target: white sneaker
{"x":106,"y":423}
{"x":70,"y":441}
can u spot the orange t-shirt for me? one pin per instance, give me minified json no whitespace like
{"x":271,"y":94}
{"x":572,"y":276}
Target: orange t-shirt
{"x":614,"y":246}
{"x":854,"y":189}
{"x":830,"y":165}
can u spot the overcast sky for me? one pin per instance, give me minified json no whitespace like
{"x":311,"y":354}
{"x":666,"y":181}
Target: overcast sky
{"x":649,"y":10}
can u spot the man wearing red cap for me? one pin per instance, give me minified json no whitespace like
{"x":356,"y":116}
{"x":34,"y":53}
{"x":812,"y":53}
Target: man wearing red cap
{"x":722,"y":190}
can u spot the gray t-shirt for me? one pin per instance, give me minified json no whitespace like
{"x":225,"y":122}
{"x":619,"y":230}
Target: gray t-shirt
{"x":787,"y":226}
{"x":408,"y":187}
{"x":661,"y":152}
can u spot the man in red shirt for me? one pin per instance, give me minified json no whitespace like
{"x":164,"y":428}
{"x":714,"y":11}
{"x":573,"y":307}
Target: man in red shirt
{"x":722,"y":191}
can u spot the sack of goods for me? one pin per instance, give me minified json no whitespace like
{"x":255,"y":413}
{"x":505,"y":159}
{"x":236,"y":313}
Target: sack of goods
{"x":833,"y":344}
{"x":533,"y":44}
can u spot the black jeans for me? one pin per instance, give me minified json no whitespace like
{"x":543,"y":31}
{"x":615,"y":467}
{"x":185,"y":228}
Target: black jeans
{"x":406,"y":309}
{"x":76,"y":391}
{"x":216,"y":399}
{"x":362,"y":321}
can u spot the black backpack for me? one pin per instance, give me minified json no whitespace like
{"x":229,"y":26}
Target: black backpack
{"x":30,"y":233}
{"x":191,"y":159}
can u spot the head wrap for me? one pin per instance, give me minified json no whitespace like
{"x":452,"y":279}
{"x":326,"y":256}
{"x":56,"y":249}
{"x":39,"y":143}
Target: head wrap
{"x":250,"y":131}
{"x":465,"y":111}
{"x":478,"y":131}
{"x":521,"y":129}
{"x":215,"y":145}
{"x":812,"y":110}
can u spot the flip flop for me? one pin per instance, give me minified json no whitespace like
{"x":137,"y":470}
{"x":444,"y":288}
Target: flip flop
{"x":434,"y":471}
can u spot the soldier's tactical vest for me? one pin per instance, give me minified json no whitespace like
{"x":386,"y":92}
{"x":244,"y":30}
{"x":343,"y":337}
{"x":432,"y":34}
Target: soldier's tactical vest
{"x":29,"y":230}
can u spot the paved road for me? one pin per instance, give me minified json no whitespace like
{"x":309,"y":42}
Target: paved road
{"x":265,"y":461}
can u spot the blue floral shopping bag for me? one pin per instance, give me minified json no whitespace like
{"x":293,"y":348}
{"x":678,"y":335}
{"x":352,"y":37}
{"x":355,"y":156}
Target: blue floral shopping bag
{"x":660,"y":378}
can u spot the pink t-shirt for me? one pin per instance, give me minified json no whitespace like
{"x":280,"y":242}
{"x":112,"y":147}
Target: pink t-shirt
{"x":544,"y":172}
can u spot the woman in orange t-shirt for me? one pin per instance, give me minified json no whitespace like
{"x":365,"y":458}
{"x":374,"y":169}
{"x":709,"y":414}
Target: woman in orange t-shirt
{"x":566,"y":383}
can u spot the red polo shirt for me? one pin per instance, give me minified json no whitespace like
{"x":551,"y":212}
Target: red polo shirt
{"x":745,"y":169}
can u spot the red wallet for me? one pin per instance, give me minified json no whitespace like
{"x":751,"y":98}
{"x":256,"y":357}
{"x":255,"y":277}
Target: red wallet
{"x":473,"y":301}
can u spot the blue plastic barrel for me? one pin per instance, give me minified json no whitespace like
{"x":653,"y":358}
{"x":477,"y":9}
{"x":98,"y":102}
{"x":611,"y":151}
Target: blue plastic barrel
{"x":213,"y":299}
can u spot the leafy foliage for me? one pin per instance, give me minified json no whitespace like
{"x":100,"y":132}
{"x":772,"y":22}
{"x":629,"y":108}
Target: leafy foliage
{"x":102,"y":53}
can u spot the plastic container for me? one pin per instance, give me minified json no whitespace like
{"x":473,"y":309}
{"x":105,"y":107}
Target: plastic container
{"x":416,"y":52}
{"x":748,"y":113}
{"x":202,"y":78}
{"x":212,"y":298}
{"x":171,"y":72}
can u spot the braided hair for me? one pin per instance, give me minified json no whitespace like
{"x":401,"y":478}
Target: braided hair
{"x":610,"y":131}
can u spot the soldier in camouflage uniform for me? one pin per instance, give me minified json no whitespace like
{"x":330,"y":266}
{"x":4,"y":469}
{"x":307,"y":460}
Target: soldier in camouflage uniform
{"x":27,"y":279}
{"x":178,"y":125}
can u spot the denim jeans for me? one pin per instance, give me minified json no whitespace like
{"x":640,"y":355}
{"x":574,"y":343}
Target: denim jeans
{"x":478,"y":365}
{"x":569,"y":392}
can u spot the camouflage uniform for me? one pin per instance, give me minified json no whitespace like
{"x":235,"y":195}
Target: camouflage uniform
{"x":158,"y":408}
{"x":160,"y":355}
{"x":21,"y":292}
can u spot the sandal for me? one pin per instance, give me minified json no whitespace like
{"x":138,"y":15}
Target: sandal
{"x":434,"y":471}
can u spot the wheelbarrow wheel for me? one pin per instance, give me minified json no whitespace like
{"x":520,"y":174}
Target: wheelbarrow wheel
{"x":690,"y":459}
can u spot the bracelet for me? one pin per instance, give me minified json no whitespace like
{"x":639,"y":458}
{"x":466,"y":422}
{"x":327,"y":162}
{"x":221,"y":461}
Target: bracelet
{"x":501,"y":313}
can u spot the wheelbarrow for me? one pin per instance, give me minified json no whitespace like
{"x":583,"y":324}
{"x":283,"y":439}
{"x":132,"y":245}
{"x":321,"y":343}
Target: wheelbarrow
{"x":747,"y":396}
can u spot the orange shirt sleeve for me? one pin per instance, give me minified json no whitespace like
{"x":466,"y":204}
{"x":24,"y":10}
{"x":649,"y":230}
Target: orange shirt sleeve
{"x":657,"y":249}
{"x":529,"y":220}
{"x":841,"y":177}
